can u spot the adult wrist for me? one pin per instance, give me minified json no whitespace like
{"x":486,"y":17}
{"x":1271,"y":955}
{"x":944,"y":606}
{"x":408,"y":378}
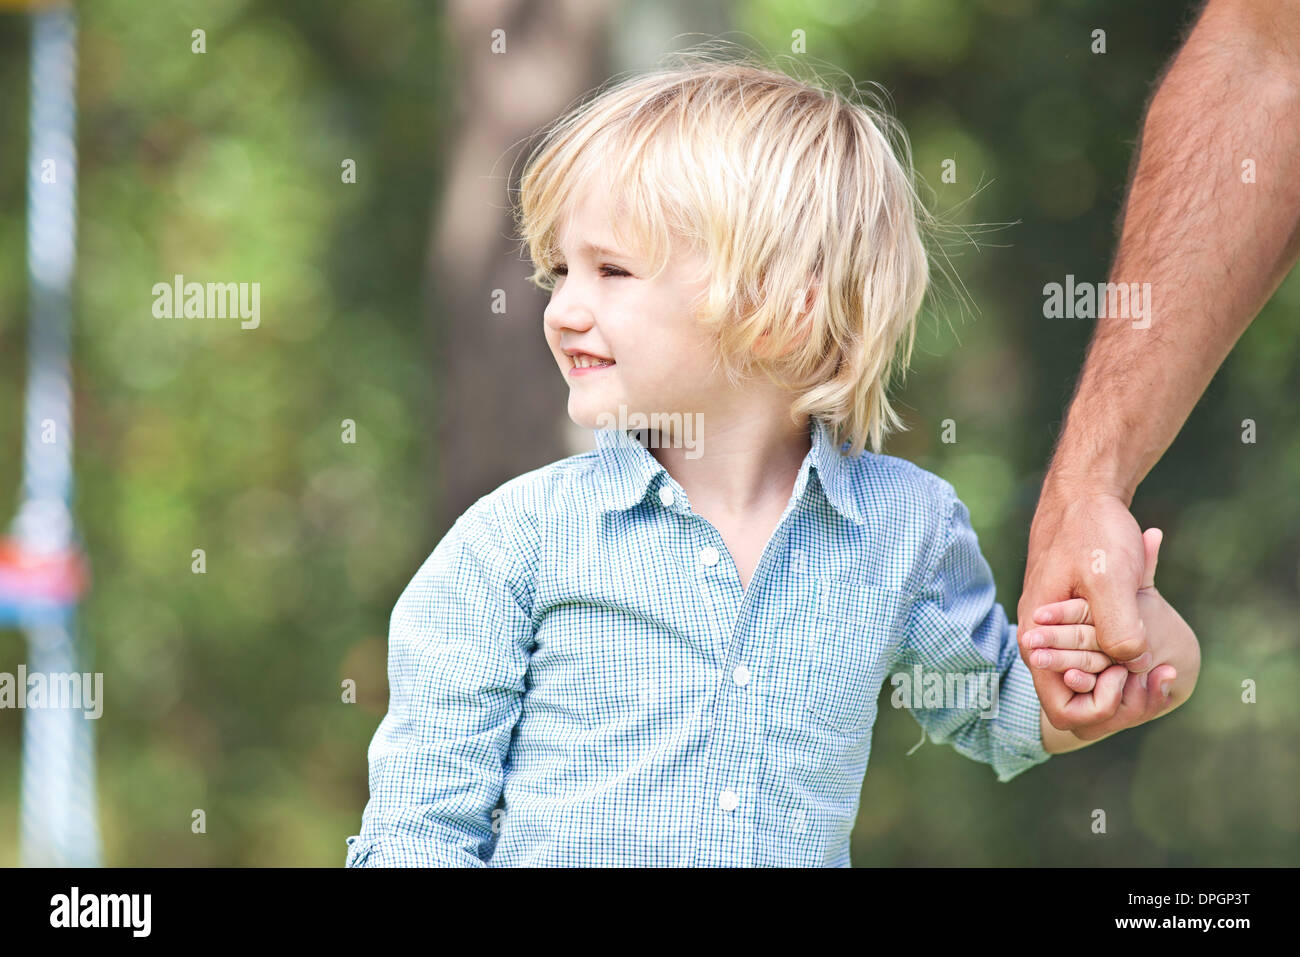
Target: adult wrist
{"x":1072,"y":478}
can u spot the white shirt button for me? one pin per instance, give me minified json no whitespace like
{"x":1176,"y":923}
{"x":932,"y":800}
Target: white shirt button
{"x":728,"y":800}
{"x":666,"y":496}
{"x":740,"y":675}
{"x":708,"y":556}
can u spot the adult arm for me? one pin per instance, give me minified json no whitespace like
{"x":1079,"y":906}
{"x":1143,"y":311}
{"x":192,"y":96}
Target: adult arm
{"x":1214,"y":247}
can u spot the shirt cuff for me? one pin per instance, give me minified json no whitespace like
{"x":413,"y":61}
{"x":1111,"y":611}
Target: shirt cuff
{"x":1019,"y":736}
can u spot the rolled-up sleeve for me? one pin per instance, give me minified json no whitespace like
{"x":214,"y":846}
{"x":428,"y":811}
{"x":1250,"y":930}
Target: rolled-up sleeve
{"x":460,"y":638}
{"x":988,"y":709}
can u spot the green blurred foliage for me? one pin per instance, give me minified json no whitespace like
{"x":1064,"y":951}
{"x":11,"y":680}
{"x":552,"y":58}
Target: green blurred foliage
{"x":225,"y":690}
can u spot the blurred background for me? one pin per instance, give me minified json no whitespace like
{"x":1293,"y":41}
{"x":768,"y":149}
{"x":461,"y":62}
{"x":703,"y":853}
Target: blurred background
{"x":222,"y":690}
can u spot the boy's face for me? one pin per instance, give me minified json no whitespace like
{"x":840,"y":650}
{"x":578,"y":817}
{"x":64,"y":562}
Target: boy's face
{"x":604,"y":304}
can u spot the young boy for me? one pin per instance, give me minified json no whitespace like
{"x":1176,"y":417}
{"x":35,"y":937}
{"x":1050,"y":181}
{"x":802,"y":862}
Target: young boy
{"x":668,"y":651}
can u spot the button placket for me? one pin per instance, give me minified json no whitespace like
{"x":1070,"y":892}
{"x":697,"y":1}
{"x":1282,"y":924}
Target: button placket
{"x":715,"y":591}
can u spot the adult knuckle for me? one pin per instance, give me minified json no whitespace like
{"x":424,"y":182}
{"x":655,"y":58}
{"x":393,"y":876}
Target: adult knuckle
{"x":1121,"y":649}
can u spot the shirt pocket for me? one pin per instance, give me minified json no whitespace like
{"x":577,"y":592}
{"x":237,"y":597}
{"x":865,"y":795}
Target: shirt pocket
{"x":854,"y":631}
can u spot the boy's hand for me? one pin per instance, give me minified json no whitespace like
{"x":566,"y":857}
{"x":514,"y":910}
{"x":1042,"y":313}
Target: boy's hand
{"x":1064,"y":640}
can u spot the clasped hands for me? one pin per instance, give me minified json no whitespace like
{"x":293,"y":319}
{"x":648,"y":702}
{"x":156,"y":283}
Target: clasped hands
{"x":1115,"y":654}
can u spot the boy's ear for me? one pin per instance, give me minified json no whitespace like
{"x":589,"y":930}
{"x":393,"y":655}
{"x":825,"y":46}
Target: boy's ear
{"x":1151,"y":540}
{"x":804,"y":299}
{"x":809,"y":295}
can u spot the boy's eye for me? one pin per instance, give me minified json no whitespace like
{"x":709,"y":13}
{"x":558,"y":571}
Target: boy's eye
{"x":606,"y":270}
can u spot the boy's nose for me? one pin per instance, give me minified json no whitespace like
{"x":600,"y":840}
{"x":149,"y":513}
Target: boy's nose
{"x":564,"y":313}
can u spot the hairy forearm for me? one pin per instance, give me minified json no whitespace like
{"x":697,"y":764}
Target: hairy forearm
{"x":1213,"y":248}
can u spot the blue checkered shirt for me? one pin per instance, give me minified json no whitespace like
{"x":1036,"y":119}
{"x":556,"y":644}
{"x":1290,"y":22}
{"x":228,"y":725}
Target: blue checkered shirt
{"x":577,"y":677}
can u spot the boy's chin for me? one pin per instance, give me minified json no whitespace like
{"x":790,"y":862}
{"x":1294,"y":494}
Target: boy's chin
{"x":589,"y":415}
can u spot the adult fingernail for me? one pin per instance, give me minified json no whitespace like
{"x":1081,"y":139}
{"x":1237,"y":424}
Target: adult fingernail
{"x":1164,"y":689}
{"x":1036,"y":639}
{"x":1041,"y":659}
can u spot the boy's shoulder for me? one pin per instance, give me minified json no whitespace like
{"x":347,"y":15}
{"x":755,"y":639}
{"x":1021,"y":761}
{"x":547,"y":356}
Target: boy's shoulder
{"x":901,"y":471}
{"x":908,"y":517}
{"x":886,"y":487}
{"x":574,"y":478}
{"x":503,"y":529}
{"x":518,"y":507}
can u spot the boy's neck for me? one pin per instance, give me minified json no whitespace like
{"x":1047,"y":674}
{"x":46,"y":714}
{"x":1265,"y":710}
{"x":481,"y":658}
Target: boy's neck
{"x":749,"y":462}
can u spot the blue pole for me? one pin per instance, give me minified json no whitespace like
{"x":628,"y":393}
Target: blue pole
{"x":59,"y":825}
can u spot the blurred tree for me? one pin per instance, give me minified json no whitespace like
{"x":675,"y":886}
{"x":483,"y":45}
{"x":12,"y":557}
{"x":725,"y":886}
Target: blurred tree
{"x":501,"y":403}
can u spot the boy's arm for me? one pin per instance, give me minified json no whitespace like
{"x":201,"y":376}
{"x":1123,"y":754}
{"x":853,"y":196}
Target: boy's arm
{"x":957,"y":630}
{"x":459,"y":644}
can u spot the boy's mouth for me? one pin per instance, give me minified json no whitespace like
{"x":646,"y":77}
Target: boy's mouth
{"x":582,"y":362}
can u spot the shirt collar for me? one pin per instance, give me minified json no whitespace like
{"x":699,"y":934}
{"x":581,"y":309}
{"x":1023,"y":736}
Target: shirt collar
{"x":630,"y":471}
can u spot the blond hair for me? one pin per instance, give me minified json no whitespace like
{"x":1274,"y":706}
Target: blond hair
{"x":796,"y":194}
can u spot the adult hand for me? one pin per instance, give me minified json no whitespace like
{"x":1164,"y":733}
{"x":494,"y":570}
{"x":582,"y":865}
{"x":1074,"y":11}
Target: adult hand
{"x":1087,"y":545}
